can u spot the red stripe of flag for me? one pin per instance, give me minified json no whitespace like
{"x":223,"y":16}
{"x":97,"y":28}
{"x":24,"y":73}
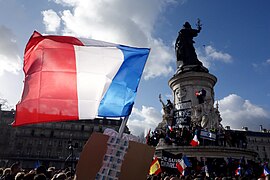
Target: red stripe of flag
{"x":50,"y":69}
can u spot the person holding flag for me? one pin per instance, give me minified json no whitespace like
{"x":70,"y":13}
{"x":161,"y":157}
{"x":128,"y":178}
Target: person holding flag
{"x":238,"y":171}
{"x":183,"y":164}
{"x":71,"y":79}
{"x":266,"y":172}
{"x":155,"y":168}
{"x":147,"y":138}
{"x":195,"y":141}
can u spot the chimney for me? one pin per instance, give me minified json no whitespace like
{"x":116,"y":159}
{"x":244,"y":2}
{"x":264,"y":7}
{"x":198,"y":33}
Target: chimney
{"x":227,"y":127}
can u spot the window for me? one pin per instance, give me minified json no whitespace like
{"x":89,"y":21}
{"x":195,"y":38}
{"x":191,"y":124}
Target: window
{"x":70,"y":135}
{"x":60,"y":144}
{"x":52,"y":134}
{"x":33,"y":132}
{"x":28,"y":151}
{"x":49,"y":153}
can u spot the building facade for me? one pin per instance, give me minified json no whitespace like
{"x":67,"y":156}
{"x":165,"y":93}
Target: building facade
{"x":258,"y":141}
{"x":55,"y":144}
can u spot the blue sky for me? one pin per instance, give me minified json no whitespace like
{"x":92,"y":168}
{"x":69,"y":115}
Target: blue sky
{"x":234,"y":45}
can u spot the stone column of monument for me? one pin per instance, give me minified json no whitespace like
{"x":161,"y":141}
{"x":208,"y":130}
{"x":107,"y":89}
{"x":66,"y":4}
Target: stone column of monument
{"x":193,"y":94}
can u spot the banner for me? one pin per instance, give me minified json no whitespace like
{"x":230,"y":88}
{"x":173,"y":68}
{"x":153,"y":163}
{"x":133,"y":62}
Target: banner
{"x":169,"y":160}
{"x":108,"y":157}
{"x":207,"y":135}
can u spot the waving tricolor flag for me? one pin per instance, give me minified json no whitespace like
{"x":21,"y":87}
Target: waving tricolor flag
{"x":67,"y":78}
{"x":183,"y":164}
{"x":238,"y":171}
{"x":195,"y":141}
{"x":266,"y":172}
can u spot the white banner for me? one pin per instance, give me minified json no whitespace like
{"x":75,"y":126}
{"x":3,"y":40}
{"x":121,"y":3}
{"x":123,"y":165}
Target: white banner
{"x":208,"y":135}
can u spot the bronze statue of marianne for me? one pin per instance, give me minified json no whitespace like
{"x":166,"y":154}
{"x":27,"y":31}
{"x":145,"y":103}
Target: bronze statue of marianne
{"x":184,"y":49}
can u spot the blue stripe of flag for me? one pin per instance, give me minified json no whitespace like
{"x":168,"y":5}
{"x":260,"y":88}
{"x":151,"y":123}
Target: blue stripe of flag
{"x":119,"y":98}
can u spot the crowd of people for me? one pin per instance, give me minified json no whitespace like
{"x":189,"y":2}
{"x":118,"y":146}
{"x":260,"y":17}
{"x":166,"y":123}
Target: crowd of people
{"x":216,"y":169}
{"x":15,"y":172}
{"x":202,"y":168}
{"x":202,"y":176}
{"x":183,"y":136}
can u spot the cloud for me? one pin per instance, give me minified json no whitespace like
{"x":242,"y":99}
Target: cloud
{"x":261,"y":66}
{"x":237,"y":112}
{"x":125,"y":22}
{"x":4,"y":103}
{"x":209,"y":55}
{"x":51,"y":20}
{"x":142,"y":120}
{"x":10,"y":60}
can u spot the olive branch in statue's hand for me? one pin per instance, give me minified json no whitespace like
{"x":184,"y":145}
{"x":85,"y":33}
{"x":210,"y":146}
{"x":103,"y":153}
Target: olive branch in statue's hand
{"x":159,"y":97}
{"x":199,"y":24}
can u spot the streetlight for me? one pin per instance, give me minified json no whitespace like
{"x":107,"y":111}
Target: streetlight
{"x":71,"y":147}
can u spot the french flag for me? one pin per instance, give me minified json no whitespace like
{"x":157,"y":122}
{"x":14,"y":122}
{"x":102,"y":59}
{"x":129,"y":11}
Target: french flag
{"x":195,"y":141}
{"x":183,"y":164}
{"x":68,"y":78}
{"x":238,"y":171}
{"x":266,"y":171}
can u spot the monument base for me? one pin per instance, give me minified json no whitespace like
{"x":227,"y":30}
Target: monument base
{"x":208,"y":152}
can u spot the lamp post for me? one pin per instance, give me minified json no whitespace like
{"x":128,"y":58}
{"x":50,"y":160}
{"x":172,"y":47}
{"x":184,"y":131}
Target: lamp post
{"x":71,"y":147}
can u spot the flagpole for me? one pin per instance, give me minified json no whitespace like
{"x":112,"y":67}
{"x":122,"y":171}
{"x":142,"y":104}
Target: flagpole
{"x":122,"y":127}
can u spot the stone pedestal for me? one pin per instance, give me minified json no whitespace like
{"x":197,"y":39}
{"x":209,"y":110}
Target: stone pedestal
{"x":208,"y":152}
{"x":185,"y":86}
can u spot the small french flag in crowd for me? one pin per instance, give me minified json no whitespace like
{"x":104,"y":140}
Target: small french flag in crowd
{"x":238,"y":171}
{"x":182,"y":164}
{"x":195,"y":141}
{"x":170,"y":128}
{"x":266,"y":171}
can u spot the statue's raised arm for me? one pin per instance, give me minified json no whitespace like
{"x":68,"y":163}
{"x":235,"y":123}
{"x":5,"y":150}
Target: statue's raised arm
{"x":168,"y":110}
{"x":160,"y":99}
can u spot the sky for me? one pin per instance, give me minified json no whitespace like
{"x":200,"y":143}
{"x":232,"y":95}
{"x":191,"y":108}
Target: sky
{"x":234,"y":45}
